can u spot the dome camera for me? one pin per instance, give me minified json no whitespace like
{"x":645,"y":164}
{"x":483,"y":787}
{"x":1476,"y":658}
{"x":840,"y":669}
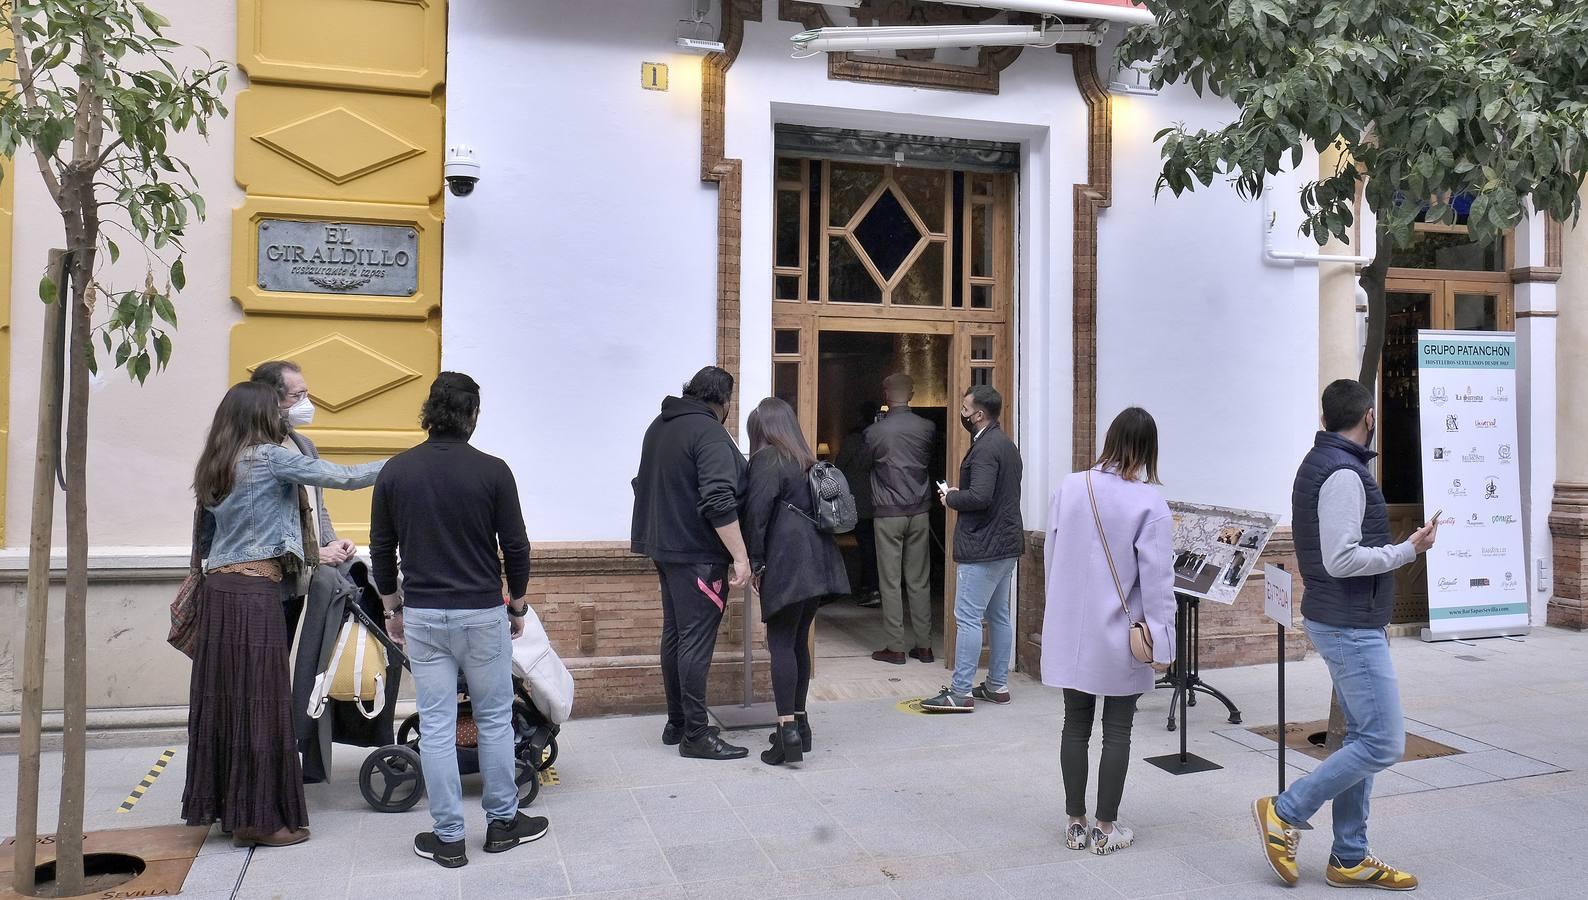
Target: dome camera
{"x":462,"y":170}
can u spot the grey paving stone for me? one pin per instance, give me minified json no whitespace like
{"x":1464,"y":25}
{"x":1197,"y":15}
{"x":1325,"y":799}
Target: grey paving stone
{"x":1247,"y":739}
{"x":677,"y":830}
{"x":688,"y":797}
{"x":598,"y":870}
{"x":975,"y":884}
{"x":1505,"y":764}
{"x":822,"y":849}
{"x":438,"y":884}
{"x":911,"y":837}
{"x":1444,"y":772}
{"x":1135,"y":872}
{"x":1457,"y":741}
{"x":1055,"y":881}
{"x":522,"y":878}
{"x":215,"y":872}
{"x":723,"y":859}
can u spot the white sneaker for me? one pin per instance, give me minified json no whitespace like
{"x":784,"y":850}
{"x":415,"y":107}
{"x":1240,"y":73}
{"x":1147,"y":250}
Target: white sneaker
{"x":1075,"y":837}
{"x":1104,"y":843}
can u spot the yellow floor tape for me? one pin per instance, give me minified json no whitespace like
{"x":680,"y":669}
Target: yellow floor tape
{"x":147,"y":782}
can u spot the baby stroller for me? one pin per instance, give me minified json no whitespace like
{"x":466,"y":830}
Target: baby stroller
{"x":391,"y":778}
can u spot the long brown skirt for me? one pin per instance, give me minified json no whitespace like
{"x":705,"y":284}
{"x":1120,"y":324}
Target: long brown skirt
{"x":242,"y":765}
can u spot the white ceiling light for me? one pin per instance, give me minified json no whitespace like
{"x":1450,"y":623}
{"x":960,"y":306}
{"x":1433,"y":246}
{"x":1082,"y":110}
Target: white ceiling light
{"x":927,"y":37}
{"x":1135,"y":78}
{"x":701,"y":35}
{"x":1081,"y":9}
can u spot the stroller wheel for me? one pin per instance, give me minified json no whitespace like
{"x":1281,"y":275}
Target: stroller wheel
{"x":408,"y":733}
{"x":528,"y":779}
{"x":549,"y":757}
{"x":391,"y":779}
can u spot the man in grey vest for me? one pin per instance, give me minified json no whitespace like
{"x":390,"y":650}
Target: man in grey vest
{"x":1347,"y":561}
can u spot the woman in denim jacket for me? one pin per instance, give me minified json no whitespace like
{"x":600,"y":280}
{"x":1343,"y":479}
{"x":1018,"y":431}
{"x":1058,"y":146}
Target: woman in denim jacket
{"x":243,"y":769}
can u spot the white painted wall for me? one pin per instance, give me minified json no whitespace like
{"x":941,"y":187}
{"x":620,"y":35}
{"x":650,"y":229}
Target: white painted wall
{"x":580,"y":278}
{"x":144,"y":440}
{"x":1194,"y":326}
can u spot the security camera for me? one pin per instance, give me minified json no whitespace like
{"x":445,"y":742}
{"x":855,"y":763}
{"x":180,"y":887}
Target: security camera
{"x":462,"y":170}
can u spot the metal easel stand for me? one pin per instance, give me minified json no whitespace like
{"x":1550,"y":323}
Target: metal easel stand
{"x":747,"y":713}
{"x":1186,"y":681}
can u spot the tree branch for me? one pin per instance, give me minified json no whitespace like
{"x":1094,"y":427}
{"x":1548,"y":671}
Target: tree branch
{"x":31,"y":100}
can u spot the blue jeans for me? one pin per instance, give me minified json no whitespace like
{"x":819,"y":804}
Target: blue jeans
{"x":441,"y":642}
{"x":982,"y":589}
{"x":1369,"y":694}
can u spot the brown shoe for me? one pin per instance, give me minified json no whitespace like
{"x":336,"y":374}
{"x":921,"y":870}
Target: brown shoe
{"x":890,"y":656}
{"x":246,"y":837}
{"x":924,"y":654}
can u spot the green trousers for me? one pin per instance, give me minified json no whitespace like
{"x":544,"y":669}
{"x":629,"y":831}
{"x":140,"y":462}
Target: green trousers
{"x":904,"y":566}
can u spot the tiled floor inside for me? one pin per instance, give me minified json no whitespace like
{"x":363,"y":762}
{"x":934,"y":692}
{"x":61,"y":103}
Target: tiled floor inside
{"x":892,"y":805}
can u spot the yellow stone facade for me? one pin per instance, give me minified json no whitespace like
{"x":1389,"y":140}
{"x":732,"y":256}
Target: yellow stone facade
{"x":342,"y":122}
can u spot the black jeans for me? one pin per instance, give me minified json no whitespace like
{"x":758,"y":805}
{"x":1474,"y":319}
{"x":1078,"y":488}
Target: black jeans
{"x":692,"y":601}
{"x":1119,"y":713}
{"x":788,"y":634}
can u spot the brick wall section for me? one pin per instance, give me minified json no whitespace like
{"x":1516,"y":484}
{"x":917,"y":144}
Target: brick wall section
{"x":1236,"y":635}
{"x":1568,"y":525}
{"x":602,"y":608}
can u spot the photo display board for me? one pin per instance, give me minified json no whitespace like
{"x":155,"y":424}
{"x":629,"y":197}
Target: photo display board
{"x":1216,"y":547}
{"x":1477,"y":571}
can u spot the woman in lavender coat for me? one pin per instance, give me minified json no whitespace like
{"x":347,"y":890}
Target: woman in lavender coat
{"x":1085,"y":632}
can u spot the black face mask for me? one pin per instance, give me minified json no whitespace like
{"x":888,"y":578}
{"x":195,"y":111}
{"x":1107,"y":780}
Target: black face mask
{"x":969,"y":423}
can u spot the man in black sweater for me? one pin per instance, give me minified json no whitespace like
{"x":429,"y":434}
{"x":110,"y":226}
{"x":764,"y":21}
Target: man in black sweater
{"x":686,"y":519}
{"x":448,"y":508}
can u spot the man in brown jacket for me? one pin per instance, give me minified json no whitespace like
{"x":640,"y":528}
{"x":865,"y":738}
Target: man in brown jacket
{"x":898,"y":451}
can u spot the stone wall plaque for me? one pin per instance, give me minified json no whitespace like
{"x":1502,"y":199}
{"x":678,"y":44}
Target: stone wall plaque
{"x":318,"y":257}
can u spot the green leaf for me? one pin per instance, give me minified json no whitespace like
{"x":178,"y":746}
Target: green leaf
{"x":115,"y":251}
{"x":165,"y":309}
{"x":162,"y":350}
{"x":178,"y":276}
{"x":1448,"y":121}
{"x":140,"y":367}
{"x":47,"y":289}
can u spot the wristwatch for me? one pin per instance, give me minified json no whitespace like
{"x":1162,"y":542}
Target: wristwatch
{"x":394,"y":611}
{"x":515,"y":613}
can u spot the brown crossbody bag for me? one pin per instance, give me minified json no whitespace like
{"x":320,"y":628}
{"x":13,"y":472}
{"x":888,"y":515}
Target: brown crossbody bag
{"x":1140,"y":637}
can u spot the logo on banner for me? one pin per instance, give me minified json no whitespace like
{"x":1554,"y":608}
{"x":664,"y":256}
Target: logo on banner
{"x":1452,"y":424}
{"x":1502,"y":520}
{"x":1505,"y":453}
{"x":1472,"y":456}
{"x":1446,"y":585}
{"x":1458,"y":554}
{"x":1441,"y":454}
{"x":1475,"y":521}
{"x":1491,"y":488}
{"x":1500,"y":395}
{"x":1477,"y":582}
{"x":1456,"y":489}
{"x":1437,"y":396}
{"x":1486,"y":423}
{"x":1469,"y":396}
{"x":1495,"y":551}
{"x":1510,"y":583}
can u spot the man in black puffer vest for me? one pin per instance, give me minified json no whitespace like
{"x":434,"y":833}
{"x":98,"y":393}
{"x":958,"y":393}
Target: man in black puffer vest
{"x":1347,"y":561}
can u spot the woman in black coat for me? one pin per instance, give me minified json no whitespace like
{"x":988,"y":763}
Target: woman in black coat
{"x":794,"y":564}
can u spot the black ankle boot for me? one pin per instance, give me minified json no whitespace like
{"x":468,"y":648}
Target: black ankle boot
{"x":773,"y":755}
{"x":804,"y":723}
{"x":785,"y":747}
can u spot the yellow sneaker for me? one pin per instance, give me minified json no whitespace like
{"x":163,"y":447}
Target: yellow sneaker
{"x":1279,"y":839}
{"x":1370,"y":873}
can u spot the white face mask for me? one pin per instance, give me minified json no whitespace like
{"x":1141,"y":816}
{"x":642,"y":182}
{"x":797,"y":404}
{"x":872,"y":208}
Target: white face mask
{"x":301,"y":413}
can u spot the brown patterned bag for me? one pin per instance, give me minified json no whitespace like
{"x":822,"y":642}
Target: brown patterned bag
{"x":185,"y":608}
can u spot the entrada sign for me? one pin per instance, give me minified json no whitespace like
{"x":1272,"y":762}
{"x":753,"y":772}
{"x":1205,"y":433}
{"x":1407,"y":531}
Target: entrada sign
{"x":317,"y":257}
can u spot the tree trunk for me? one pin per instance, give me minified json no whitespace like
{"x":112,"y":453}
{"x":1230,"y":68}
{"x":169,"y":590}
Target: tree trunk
{"x":47,"y":451}
{"x":1372,"y":281}
{"x":74,"y":729}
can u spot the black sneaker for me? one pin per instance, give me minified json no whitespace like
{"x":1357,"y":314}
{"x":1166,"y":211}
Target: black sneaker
{"x":447,"y":854}
{"x":948,"y":702}
{"x":503,"y":836}
{"x":673,"y":735}
{"x":710,"y":746}
{"x":998,"y":698}
{"x":871,"y":600}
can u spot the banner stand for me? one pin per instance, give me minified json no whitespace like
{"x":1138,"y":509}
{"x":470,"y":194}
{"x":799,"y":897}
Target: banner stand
{"x":1184,"y":679}
{"x":1431,"y":636}
{"x":1276,"y":605}
{"x":748,"y":713}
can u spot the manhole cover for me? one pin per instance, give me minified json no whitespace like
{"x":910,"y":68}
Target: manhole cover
{"x":1471,"y":658}
{"x":1309,"y":738}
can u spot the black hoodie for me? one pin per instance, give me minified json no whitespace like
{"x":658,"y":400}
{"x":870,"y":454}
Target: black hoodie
{"x":691,"y":478}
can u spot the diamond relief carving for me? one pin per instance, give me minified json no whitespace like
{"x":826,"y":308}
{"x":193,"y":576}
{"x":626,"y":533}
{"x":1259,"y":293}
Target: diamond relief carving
{"x":343,"y":372}
{"x":339,"y":145}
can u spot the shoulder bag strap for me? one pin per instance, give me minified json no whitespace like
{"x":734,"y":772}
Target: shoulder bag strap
{"x":1096,"y":517}
{"x":194,"y":561}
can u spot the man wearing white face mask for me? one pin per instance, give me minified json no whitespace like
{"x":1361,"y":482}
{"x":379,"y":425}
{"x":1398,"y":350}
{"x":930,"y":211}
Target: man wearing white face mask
{"x":296,"y":407}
